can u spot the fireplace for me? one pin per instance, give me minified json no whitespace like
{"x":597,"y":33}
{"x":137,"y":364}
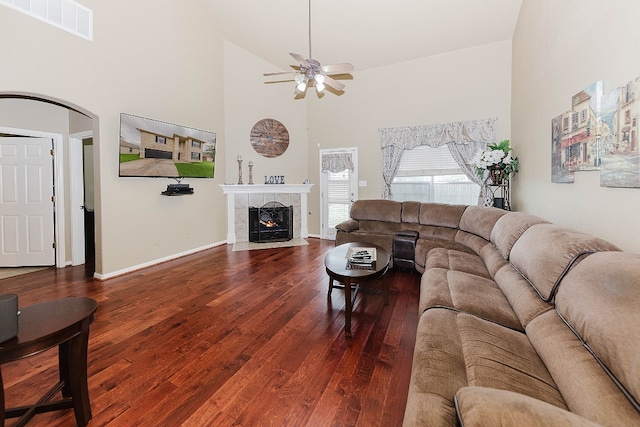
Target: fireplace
{"x":272,"y":222}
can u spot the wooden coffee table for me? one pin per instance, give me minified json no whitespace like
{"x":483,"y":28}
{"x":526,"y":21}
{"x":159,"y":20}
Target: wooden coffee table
{"x":338,"y":269}
{"x":63,"y":323}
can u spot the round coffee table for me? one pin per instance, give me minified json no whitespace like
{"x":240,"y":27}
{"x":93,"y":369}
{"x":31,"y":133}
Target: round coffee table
{"x":63,"y":323}
{"x":339,"y":269}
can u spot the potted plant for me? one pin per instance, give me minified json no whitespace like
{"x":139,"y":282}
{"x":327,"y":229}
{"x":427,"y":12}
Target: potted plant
{"x":498,"y":160}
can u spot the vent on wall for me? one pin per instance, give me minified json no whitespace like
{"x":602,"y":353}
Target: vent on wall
{"x":64,"y":14}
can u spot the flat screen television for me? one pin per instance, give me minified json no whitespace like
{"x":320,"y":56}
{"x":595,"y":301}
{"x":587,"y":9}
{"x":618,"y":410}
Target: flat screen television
{"x":157,"y":149}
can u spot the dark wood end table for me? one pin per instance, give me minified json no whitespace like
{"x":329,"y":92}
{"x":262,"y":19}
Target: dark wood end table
{"x":63,"y":323}
{"x":338,"y":269}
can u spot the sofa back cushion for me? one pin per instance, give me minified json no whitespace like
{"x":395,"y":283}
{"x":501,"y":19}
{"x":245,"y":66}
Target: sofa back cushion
{"x":480,"y":220}
{"x":508,"y":229}
{"x":599,"y":300}
{"x":411,"y":212}
{"x":546,"y":252}
{"x":441,"y":215}
{"x":377,"y":210}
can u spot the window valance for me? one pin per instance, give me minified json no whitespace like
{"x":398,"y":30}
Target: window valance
{"x":337,"y":162}
{"x":435,"y":135}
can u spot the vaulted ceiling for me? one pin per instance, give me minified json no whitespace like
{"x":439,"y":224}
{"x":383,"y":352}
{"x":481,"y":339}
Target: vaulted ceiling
{"x":366,"y":33}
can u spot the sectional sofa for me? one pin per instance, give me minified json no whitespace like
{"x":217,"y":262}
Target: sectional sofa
{"x":521,"y":322}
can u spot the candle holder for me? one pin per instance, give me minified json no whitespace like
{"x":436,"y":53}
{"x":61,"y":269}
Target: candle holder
{"x":250,"y":172}
{"x":239,"y":171}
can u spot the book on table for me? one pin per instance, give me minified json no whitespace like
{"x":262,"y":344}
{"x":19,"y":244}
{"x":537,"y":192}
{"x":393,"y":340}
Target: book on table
{"x":361,"y":255}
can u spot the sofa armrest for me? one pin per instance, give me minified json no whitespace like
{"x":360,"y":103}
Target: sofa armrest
{"x":481,"y":406}
{"x":348,"y":225}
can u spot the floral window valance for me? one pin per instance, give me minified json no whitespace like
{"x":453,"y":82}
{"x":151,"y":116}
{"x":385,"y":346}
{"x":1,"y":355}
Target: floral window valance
{"x":337,"y":162}
{"x":464,"y":140}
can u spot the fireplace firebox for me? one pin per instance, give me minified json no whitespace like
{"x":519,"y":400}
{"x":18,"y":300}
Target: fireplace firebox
{"x":272,"y":222}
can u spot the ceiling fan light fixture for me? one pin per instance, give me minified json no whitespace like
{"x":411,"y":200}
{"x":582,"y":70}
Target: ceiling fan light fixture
{"x":319,"y":78}
{"x":319,"y":87}
{"x":299,"y":78}
{"x":302,"y":86}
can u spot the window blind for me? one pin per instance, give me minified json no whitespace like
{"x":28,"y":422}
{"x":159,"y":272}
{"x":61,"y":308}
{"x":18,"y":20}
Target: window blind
{"x":425,"y":160}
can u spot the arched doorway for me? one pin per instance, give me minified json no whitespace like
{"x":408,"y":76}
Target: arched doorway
{"x":74,"y":135}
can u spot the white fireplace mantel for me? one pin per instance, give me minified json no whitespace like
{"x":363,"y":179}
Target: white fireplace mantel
{"x":230,"y":190}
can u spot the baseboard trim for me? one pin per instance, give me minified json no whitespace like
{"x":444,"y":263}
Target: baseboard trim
{"x":127,"y":270}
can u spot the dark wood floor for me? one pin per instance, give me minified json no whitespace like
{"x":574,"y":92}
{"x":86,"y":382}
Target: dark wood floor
{"x":224,"y":338}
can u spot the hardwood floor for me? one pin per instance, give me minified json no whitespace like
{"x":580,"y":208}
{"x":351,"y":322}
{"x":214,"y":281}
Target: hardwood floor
{"x":223,"y":338}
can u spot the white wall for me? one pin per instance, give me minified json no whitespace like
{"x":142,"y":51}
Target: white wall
{"x":469,"y":84}
{"x":249,"y":99}
{"x":559,"y":48}
{"x":166,"y":65}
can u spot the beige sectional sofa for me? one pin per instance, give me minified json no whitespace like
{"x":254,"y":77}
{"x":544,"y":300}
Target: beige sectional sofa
{"x":522,"y":322}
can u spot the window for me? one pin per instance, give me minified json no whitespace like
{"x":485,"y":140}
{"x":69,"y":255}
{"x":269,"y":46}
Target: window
{"x":67,"y":15}
{"x":427,"y":174}
{"x":161,"y":139}
{"x":195,"y":144}
{"x":195,"y":156}
{"x":338,"y":197}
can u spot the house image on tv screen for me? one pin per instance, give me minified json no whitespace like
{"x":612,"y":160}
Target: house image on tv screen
{"x":176,"y":147}
{"x":152,"y":148}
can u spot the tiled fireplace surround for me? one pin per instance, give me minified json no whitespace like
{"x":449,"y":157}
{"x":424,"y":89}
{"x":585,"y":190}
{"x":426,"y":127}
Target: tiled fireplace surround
{"x":241,"y":197}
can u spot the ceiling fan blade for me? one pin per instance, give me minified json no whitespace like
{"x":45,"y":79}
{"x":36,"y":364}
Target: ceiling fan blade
{"x":337,"y":68}
{"x":333,"y":83}
{"x":299,"y":58}
{"x":275,"y":73}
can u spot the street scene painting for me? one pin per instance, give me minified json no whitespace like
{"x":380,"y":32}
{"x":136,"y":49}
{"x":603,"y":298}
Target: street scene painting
{"x":153,"y":148}
{"x":620,"y":157}
{"x":600,"y":132}
{"x":574,"y":135}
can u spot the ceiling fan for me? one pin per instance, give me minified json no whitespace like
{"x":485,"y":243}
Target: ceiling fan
{"x":311,"y":73}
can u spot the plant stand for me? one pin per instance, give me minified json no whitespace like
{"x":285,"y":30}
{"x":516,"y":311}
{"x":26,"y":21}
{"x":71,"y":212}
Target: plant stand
{"x":501,"y":194}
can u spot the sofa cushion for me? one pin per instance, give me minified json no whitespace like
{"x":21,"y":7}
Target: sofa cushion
{"x":524,"y":300}
{"x":377,"y":210}
{"x":425,"y":244}
{"x":411,"y":212}
{"x":492,"y":259}
{"x":441,"y":215}
{"x":480,"y":220}
{"x":456,"y":260}
{"x":508,"y":229}
{"x":454,"y":350}
{"x":546,"y":252}
{"x":466,"y":292}
{"x":437,"y":372}
{"x":472,"y":241}
{"x":600,"y":301}
{"x":383,"y":227}
{"x":488,"y":407}
{"x":348,"y":226}
{"x":585,"y":386}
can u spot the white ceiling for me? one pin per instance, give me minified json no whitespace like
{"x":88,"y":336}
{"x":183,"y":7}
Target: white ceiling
{"x":366,"y":33}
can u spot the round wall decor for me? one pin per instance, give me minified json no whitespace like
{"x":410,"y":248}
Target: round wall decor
{"x":269,"y":138}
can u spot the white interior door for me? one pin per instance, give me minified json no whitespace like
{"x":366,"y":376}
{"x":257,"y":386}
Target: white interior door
{"x":337,"y":191}
{"x":26,"y":202}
